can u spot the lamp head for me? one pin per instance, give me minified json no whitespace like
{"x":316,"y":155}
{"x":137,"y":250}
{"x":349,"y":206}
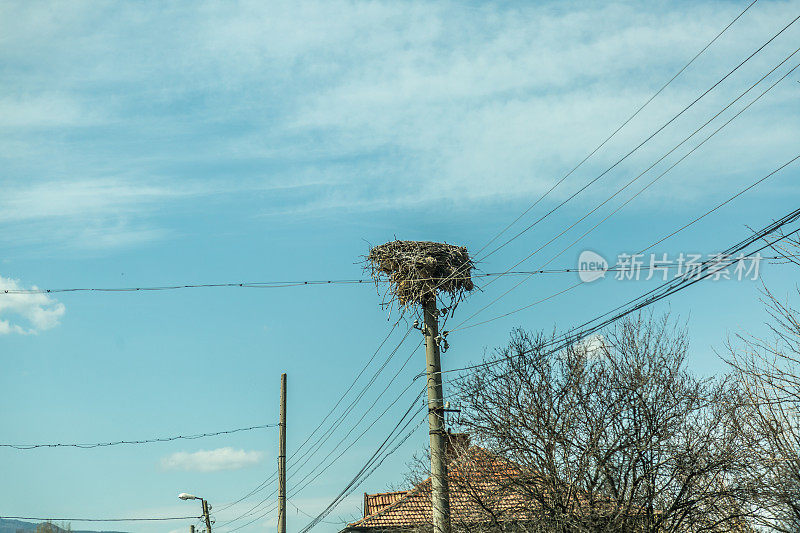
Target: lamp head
{"x":185,"y":496}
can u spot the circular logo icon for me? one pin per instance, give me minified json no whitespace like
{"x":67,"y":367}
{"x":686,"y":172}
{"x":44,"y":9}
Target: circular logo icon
{"x":591,"y":266}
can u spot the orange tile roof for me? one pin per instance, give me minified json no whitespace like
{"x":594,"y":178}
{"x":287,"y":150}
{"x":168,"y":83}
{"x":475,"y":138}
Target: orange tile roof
{"x":479,"y":489}
{"x":375,"y":502}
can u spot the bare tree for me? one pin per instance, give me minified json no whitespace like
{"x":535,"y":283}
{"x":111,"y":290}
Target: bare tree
{"x":768,"y":372}
{"x":612,"y":434}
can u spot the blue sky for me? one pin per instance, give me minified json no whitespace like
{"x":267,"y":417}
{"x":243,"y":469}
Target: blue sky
{"x":199,"y":142}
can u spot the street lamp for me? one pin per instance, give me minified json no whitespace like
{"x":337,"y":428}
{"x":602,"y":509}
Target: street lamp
{"x":206,"y":507}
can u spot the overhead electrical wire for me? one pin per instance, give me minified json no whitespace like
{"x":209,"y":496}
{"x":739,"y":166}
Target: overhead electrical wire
{"x":250,"y":285}
{"x":364,"y":432}
{"x":612,"y":135}
{"x":630,"y":182}
{"x":373,"y":464}
{"x":363,"y":415}
{"x":617,"y":130}
{"x":290,"y":502}
{"x":295,"y":467}
{"x":282,"y":284}
{"x":304,"y":482}
{"x":359,"y":476}
{"x":705,"y":270}
{"x":651,"y":136}
{"x":369,"y":462}
{"x":141,"y":441}
{"x":273,"y":477}
{"x":662,"y":239}
{"x":661,"y":128}
{"x":340,"y":418}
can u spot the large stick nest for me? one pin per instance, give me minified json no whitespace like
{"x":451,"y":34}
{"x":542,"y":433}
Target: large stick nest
{"x":419,"y":271}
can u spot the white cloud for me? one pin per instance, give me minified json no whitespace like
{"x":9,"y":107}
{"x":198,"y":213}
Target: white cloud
{"x":38,"y":311}
{"x":594,"y":345}
{"x":212,"y":460}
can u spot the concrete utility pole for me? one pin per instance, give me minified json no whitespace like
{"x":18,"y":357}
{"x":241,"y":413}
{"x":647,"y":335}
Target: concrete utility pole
{"x":440,"y":498}
{"x":419,"y":272}
{"x":282,"y":460}
{"x":206,"y":507}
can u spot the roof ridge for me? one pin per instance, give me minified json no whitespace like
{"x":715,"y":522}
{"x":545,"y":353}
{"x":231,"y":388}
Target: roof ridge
{"x":387,"y":493}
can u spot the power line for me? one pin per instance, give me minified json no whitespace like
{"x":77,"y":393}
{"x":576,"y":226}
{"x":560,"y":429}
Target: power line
{"x":640,"y":175}
{"x":310,"y":515}
{"x":245,"y":285}
{"x":364,"y":432}
{"x":45,"y":519}
{"x":313,"y":449}
{"x":143,"y":441}
{"x":642,"y":143}
{"x":340,"y":420}
{"x":273,"y":476}
{"x":656,"y":132}
{"x":315,"y":472}
{"x":370,"y":462}
{"x":547,"y":193}
{"x":705,"y":270}
{"x":738,"y":194}
{"x":287,"y":284}
{"x":357,"y":481}
{"x":662,"y":127}
{"x":617,"y":130}
{"x":670,"y":235}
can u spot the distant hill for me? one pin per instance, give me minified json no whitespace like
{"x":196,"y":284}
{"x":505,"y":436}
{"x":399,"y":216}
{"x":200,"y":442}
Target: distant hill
{"x":13,"y":526}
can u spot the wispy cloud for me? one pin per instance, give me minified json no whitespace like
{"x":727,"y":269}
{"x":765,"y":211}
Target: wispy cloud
{"x":82,"y":198}
{"x":88,"y":214}
{"x":37,"y":312}
{"x":370,"y":103}
{"x":212,"y":460}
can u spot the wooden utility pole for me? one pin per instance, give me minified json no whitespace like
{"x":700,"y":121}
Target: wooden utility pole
{"x":191,"y":529}
{"x":440,"y":497}
{"x":206,"y":508}
{"x":282,"y":460}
